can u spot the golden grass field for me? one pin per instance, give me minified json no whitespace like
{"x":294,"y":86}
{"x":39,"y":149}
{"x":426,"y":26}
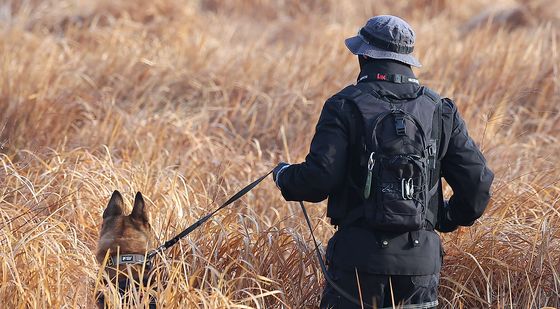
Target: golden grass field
{"x":188,"y":101}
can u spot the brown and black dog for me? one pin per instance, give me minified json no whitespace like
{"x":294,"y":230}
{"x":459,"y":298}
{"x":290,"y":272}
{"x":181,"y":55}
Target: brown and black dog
{"x":125,"y":239}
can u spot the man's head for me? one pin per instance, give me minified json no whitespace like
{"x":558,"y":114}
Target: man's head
{"x":385,"y":37}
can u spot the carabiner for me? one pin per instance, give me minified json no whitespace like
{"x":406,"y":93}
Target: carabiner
{"x":371,"y":162}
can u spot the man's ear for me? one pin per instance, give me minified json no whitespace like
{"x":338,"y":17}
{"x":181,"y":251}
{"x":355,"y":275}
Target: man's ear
{"x":114,"y":208}
{"x":139,"y":211}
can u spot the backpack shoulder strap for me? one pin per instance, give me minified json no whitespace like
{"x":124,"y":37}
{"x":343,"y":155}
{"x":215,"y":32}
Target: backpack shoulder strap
{"x":361,"y":92}
{"x":349,"y":92}
{"x":436,"y":119}
{"x":432,"y":95}
{"x":361,"y":95}
{"x":433,"y":207}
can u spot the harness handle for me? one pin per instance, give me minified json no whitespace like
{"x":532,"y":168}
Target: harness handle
{"x":166,"y":245}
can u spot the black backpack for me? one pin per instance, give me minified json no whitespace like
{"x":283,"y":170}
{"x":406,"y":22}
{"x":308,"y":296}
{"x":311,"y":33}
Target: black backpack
{"x":399,"y":159}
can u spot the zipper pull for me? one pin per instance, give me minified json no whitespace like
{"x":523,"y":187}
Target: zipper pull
{"x":371,"y":163}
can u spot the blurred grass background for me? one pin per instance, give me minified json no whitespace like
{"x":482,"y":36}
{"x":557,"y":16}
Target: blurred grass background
{"x":188,"y":101}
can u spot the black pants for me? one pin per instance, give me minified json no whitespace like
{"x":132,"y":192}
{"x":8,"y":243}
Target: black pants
{"x":381,"y":291}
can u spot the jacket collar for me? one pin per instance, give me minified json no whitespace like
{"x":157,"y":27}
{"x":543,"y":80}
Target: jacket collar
{"x":372,"y":68}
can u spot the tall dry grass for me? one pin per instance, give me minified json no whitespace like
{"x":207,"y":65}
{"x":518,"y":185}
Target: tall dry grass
{"x":187,"y":101}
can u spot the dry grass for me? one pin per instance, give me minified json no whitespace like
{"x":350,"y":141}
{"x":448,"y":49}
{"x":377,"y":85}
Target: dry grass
{"x":187,"y":101}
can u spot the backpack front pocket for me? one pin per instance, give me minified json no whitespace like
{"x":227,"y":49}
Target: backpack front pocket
{"x":399,"y":206}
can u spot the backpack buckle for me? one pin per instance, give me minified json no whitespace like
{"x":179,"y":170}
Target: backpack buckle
{"x":431,"y":150}
{"x":400,"y":125}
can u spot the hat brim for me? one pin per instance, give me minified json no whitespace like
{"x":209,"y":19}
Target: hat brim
{"x":358,"y":47}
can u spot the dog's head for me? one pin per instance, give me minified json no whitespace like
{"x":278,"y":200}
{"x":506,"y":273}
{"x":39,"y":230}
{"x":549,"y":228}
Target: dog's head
{"x":124,"y":234}
{"x":125,"y":239}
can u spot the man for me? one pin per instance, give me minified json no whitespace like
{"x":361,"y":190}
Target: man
{"x":378,"y":153}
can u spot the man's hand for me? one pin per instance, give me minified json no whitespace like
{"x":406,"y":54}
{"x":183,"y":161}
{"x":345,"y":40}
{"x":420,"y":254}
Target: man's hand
{"x":445,"y":224}
{"x":277,"y":171}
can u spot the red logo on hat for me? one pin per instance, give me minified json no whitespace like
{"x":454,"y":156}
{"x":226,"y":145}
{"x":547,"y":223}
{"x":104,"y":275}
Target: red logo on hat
{"x":381,"y":76}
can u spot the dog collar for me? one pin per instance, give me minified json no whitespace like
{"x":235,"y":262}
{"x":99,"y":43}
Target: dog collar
{"x":128,"y":259}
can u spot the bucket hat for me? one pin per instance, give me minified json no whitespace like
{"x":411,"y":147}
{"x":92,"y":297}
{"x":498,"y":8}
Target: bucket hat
{"x":385,"y":37}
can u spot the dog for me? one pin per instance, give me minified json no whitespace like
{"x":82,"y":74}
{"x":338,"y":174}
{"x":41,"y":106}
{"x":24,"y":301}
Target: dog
{"x":125,"y":239}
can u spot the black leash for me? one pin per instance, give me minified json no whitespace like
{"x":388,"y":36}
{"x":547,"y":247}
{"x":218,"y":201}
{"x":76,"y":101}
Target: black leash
{"x":328,"y":278}
{"x":166,"y":245}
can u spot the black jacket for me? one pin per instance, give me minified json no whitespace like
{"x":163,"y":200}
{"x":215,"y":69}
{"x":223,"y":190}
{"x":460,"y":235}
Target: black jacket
{"x":329,"y":167}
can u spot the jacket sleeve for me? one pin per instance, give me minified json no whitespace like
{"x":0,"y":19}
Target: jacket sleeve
{"x":465,"y":170}
{"x":324,"y":168}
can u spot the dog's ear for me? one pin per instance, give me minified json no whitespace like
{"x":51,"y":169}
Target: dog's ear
{"x":139,"y":211}
{"x":114,"y":208}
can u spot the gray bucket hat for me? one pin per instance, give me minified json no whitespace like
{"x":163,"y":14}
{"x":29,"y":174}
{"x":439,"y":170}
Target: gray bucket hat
{"x":385,"y":37}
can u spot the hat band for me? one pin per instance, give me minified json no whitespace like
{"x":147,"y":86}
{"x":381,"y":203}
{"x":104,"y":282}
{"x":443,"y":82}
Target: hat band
{"x":390,"y":46}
